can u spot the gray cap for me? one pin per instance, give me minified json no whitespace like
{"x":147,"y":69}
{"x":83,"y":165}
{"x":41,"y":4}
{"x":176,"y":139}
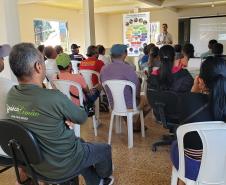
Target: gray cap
{"x":4,"y":50}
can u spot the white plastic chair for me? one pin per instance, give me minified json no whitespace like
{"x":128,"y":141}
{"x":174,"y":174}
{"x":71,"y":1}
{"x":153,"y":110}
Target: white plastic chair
{"x":87,"y":74}
{"x":64,"y":87}
{"x":6,"y":85}
{"x":117,"y":91}
{"x":213,"y":163}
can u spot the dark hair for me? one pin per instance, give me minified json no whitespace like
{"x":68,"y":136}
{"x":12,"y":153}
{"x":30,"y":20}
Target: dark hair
{"x":167,"y":55}
{"x":165,"y":25}
{"x":154,"y":52}
{"x":100,"y":49}
{"x":62,"y":68}
{"x":22,"y":59}
{"x":177,"y":48}
{"x":59,"y":49}
{"x":92,"y":50}
{"x":41,"y":48}
{"x":148,"y":48}
{"x":188,"y":50}
{"x":211,"y":43}
{"x":218,"y":49}
{"x":145,"y":50}
{"x":212,"y":72}
{"x":48,"y":51}
{"x":74,"y":46}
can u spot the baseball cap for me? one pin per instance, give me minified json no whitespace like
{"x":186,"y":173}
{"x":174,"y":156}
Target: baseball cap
{"x":4,"y":50}
{"x":74,"y":46}
{"x":118,"y":49}
{"x":63,"y":60}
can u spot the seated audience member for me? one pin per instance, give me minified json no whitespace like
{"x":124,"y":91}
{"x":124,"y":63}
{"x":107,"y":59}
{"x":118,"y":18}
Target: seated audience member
{"x":92,"y":62}
{"x":59,"y":49}
{"x":209,"y":53}
{"x":50,"y":62}
{"x":64,"y":64}
{"x":170,"y":76}
{"x":218,"y":50}
{"x":143,"y":62}
{"x":207,"y":101}
{"x":154,"y":60}
{"x":75,"y":53}
{"x":178,"y":51}
{"x":64,"y":154}
{"x":4,"y":51}
{"x":187,"y":52}
{"x":41,"y":49}
{"x":101,"y":52}
{"x":120,"y":70}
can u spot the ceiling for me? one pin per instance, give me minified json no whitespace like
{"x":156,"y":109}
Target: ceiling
{"x":109,"y":6}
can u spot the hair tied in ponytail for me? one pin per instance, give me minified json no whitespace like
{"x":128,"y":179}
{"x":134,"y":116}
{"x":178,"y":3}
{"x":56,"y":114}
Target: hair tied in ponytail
{"x":165,"y":57}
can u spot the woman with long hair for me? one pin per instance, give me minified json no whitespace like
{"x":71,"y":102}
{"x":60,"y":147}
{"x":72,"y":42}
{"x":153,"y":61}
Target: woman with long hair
{"x":206,"y":102}
{"x":170,"y":76}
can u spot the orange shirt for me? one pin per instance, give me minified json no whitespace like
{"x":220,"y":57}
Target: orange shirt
{"x":75,"y":78}
{"x":92,"y":63}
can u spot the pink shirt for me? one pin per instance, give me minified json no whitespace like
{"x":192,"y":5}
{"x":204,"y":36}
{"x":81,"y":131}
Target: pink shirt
{"x":75,"y":78}
{"x":175,"y":69}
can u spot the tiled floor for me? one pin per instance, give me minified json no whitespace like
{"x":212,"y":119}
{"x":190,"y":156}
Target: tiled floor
{"x":136,"y":166}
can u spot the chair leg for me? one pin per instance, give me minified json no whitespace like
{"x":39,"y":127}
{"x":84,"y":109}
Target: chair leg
{"x":174,"y":176}
{"x":120,"y":124}
{"x":130,"y":130}
{"x":142,"y":123}
{"x":110,"y":129}
{"x":97,"y":109}
{"x":95,"y":125}
{"x":117,"y":125}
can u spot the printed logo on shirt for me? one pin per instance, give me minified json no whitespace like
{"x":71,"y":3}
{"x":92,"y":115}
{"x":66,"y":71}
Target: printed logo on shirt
{"x":20,"y":112}
{"x":88,"y":63}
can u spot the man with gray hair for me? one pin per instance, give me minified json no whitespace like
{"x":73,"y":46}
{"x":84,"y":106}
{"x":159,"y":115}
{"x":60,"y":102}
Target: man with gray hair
{"x":49,"y":115}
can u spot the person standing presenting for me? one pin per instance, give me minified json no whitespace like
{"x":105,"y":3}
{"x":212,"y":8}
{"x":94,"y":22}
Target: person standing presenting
{"x":164,"y":38}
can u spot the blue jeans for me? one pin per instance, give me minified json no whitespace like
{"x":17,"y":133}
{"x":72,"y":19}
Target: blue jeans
{"x":97,"y":162}
{"x":191,"y":166}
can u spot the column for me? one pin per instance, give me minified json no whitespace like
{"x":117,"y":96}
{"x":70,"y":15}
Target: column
{"x":10,"y":30}
{"x":88,"y":7}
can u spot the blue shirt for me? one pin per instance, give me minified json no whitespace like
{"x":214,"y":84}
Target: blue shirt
{"x":119,"y":70}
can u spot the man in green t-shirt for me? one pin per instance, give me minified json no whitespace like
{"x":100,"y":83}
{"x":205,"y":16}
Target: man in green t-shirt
{"x":48,"y":114}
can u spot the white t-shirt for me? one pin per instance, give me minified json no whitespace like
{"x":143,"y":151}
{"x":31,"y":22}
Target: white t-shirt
{"x":164,"y":39}
{"x":105,"y":59}
{"x":51,"y":69}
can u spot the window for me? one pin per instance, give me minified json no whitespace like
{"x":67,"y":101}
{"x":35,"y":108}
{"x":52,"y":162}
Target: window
{"x":51,"y":33}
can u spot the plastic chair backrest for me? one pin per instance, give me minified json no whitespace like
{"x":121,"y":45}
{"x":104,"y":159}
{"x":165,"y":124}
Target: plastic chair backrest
{"x":64,"y":87}
{"x":14,"y":131}
{"x":213,"y":163}
{"x":87,"y":75}
{"x":117,"y":91}
{"x":6,"y":85}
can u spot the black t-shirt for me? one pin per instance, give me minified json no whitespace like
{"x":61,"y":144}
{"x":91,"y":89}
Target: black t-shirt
{"x":194,"y":107}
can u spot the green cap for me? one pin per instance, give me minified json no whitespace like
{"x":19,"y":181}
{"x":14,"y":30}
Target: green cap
{"x":63,"y":60}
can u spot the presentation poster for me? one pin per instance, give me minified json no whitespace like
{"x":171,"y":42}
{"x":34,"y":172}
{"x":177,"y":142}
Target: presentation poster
{"x":136,"y":32}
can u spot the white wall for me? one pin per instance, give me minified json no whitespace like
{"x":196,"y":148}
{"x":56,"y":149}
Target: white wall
{"x":74,"y":18}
